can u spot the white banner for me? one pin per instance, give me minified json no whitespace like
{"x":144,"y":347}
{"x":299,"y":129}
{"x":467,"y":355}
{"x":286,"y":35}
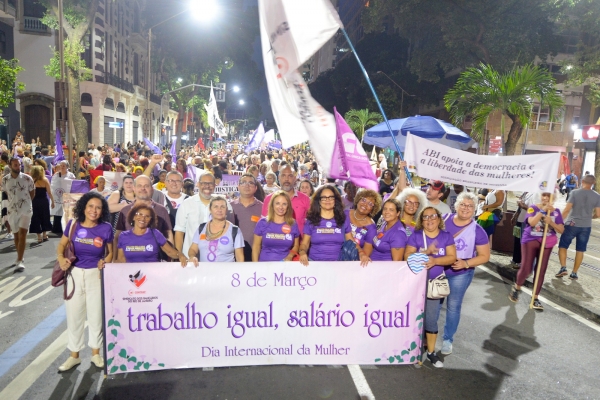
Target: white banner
{"x":162,"y":316}
{"x":531,"y":173}
{"x":212,"y":112}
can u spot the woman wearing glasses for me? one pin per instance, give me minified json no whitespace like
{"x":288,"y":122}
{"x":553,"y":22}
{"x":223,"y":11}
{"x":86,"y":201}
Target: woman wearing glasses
{"x":327,"y":227}
{"x":390,"y":239}
{"x":276,"y":238}
{"x":472,"y":249}
{"x":218,"y":240}
{"x":413,"y":201}
{"x":431,"y":238}
{"x":143,"y":242}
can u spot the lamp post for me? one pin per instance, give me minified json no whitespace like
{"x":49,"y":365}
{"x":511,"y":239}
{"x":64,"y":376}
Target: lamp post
{"x":403,"y":91}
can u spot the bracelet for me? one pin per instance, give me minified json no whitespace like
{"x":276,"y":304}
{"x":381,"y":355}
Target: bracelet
{"x":466,"y":262}
{"x":294,"y":252}
{"x":302,"y":250}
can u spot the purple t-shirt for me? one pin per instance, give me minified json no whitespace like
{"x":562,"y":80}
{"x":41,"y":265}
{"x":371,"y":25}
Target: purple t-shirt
{"x":442,"y":240}
{"x":466,"y":241}
{"x":89,"y":243}
{"x":385,"y":241}
{"x":326,"y":239}
{"x":144,"y":248}
{"x":363,"y":234}
{"x":277,"y":239}
{"x":537,"y":232}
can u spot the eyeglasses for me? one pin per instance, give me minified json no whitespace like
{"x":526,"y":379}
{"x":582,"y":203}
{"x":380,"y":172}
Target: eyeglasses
{"x":327,"y":198}
{"x":411,"y":203}
{"x":364,"y":200}
{"x":207,"y":184}
{"x":430,"y":217}
{"x":247,"y":183}
{"x":138,"y":214}
{"x":174,"y":181}
{"x":467,"y":206}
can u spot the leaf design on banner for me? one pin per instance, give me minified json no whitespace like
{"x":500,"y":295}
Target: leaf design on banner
{"x":413,"y":349}
{"x":119,"y":357}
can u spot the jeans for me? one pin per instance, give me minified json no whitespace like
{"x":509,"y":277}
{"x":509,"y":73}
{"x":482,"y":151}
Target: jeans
{"x":458,"y":287}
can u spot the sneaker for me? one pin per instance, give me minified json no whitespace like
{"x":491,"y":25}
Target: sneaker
{"x":9,"y":236}
{"x":98,"y":360}
{"x":573,"y":276}
{"x":562,"y":272}
{"x":446,"y":347}
{"x":19,"y":266}
{"x":435,"y":360}
{"x":515,"y":265}
{"x":70,"y":363}
{"x":514,"y":295}
{"x":537,"y":305}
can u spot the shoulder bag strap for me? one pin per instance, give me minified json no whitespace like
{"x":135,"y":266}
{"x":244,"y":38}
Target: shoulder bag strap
{"x":464,"y":227}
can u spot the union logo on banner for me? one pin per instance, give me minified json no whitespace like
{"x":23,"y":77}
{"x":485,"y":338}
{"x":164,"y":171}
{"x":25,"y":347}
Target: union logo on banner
{"x":138,"y":278}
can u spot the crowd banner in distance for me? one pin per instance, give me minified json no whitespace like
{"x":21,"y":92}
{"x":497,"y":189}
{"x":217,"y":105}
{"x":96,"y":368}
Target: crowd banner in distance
{"x":161,"y":316}
{"x":530,"y":173}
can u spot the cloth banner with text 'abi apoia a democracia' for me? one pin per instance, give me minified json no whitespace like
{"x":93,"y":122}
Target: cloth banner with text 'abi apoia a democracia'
{"x":528,"y":173}
{"x":162,"y":316}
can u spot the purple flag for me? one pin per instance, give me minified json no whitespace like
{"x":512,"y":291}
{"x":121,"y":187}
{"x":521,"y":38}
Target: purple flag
{"x":152,"y":146}
{"x":59,"y":150}
{"x":349,"y":160}
{"x":257,"y":139}
{"x":173,"y":150}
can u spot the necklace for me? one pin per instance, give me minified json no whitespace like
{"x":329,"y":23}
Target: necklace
{"x":212,"y":235}
{"x":413,"y":223}
{"x":356,"y":218}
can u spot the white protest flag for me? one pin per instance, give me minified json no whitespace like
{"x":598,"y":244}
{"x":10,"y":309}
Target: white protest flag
{"x":530,"y":173}
{"x":213,"y":114}
{"x":291,"y":31}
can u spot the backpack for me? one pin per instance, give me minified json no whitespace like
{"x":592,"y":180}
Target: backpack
{"x":572,"y":179}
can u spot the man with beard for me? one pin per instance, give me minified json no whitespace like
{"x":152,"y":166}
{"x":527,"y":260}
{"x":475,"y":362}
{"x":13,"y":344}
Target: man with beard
{"x":193,"y":212}
{"x":143,"y":193}
{"x":20,"y":190}
{"x":300,"y":201}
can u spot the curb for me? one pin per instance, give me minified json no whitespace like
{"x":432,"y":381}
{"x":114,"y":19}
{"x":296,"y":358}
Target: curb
{"x":555,"y":296}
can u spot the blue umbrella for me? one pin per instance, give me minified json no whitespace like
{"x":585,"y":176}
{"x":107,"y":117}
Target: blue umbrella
{"x":423,"y":126}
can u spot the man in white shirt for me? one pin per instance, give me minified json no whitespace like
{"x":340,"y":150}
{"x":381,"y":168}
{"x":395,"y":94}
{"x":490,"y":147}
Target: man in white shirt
{"x":193,"y":212}
{"x":434,"y":193}
{"x":20,"y":191}
{"x":173,"y":195}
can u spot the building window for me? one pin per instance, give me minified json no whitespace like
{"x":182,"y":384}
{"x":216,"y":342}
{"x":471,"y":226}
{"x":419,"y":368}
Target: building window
{"x":2,"y":42}
{"x":109,"y":103}
{"x":120,"y":107}
{"x":576,"y":115}
{"x":136,"y":110}
{"x":86,"y":99}
{"x":540,"y":120}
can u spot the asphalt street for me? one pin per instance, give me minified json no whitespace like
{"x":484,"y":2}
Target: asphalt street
{"x":501,"y":350}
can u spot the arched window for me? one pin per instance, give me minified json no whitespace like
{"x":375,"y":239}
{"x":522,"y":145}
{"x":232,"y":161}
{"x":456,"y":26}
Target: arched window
{"x":120,"y":107}
{"x":109,"y":103}
{"x":86,"y":99}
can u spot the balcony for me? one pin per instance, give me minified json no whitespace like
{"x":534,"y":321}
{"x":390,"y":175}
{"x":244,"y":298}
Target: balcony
{"x":117,"y":82}
{"x":155,"y":98}
{"x":34,"y":25}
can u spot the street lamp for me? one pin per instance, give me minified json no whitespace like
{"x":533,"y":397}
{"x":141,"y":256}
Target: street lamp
{"x":241,"y":102}
{"x":198,"y":8}
{"x":403,"y":91}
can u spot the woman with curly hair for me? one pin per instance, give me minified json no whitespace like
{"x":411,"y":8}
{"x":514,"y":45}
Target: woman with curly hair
{"x":366,"y":204}
{"x":143,"y":242}
{"x":431,"y":238}
{"x":92,"y":240}
{"x":413,"y":201}
{"x":327,"y":227}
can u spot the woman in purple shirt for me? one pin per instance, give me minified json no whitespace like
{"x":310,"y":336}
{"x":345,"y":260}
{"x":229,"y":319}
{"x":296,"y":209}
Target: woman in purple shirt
{"x":538,"y":214}
{"x":327,"y":227}
{"x":276,"y":238}
{"x":472,"y":250}
{"x":143,"y":242}
{"x":92,"y":238}
{"x":367,"y":203}
{"x":438,"y":244}
{"x":389,"y":242}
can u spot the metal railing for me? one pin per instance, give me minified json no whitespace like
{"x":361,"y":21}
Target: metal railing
{"x":117,"y":82}
{"x":33,"y":24}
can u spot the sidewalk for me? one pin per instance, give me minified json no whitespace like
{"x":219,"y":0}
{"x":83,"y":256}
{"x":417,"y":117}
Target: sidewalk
{"x":581,"y":296}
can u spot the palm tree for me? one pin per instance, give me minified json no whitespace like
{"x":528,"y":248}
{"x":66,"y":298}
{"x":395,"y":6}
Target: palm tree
{"x":360,"y":120}
{"x":481,"y":91}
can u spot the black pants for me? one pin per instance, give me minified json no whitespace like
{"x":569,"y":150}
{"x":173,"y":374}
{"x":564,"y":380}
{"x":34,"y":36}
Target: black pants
{"x":57,"y":225}
{"x":517,"y":246}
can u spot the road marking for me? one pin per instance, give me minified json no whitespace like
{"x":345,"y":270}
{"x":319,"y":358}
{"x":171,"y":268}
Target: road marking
{"x":362,"y":386}
{"x":32,"y":372}
{"x":570,"y":313}
{"x":17,"y":351}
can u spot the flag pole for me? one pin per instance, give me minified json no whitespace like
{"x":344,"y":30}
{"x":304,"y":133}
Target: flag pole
{"x":540,"y":256}
{"x":360,"y":64}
